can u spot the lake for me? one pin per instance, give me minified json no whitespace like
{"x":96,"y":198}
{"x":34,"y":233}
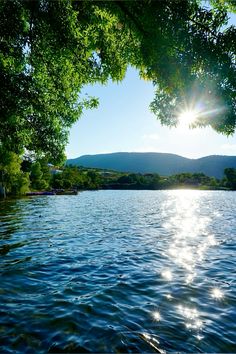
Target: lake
{"x":119,"y":271}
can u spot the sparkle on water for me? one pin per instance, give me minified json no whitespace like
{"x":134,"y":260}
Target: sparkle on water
{"x":167,"y":274}
{"x":217,"y":293}
{"x":169,"y":296}
{"x":188,"y":312}
{"x":157,"y":316}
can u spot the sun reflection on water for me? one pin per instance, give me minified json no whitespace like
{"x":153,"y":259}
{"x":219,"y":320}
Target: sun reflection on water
{"x":188,"y":248}
{"x":199,"y":337}
{"x":191,"y":316}
{"x":167,"y":274}
{"x":191,"y":240}
{"x":188,"y":313}
{"x":153,"y":342}
{"x":190,"y":277}
{"x":216,"y":293}
{"x":157,"y":316}
{"x":169,"y":296}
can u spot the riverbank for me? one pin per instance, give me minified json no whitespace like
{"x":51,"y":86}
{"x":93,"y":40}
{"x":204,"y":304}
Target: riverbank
{"x":69,"y":180}
{"x":118,"y":187}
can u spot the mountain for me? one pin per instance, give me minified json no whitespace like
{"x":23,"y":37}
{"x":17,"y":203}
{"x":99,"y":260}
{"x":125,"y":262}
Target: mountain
{"x":153,"y":162}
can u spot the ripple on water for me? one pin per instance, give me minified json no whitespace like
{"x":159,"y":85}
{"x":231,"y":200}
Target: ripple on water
{"x":118,"y":271}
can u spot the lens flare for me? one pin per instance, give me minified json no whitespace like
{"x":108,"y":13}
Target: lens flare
{"x":186,"y":118}
{"x":195,"y":112}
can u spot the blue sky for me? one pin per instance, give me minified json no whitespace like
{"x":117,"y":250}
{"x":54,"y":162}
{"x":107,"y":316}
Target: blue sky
{"x":123,"y":122}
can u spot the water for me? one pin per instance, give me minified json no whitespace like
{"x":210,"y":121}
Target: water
{"x":118,"y":271}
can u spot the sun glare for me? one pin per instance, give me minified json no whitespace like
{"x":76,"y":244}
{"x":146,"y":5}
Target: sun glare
{"x":186,"y":118}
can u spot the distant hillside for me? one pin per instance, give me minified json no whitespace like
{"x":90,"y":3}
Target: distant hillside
{"x":152,"y":162}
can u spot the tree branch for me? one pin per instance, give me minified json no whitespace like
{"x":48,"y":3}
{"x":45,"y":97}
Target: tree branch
{"x":128,"y":14}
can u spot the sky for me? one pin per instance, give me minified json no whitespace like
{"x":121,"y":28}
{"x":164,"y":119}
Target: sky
{"x":123,"y":123}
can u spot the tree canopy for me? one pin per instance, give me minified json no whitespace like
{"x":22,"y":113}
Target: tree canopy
{"x":49,"y":50}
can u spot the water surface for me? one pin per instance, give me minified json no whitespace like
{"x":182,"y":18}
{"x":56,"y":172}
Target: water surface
{"x":118,"y":271}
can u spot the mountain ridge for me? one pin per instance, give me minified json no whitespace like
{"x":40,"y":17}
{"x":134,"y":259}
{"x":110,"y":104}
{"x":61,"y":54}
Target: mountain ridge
{"x":164,"y":164}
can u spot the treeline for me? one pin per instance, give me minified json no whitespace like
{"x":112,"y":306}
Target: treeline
{"x":18,"y":177}
{"x":181,"y":180}
{"x":80,"y":178}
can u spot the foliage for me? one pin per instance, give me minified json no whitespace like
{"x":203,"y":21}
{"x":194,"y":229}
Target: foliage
{"x":48,"y":53}
{"x":227,"y":5}
{"x":207,"y":73}
{"x":50,"y":49}
{"x":230,"y":174}
{"x":20,"y":185}
{"x":12,"y":178}
{"x":192,"y":180}
{"x":37,"y":176}
{"x":78,"y":178}
{"x":47,"y":176}
{"x":72,"y":177}
{"x":93,"y":179}
{"x":68,"y":178}
{"x":138,"y":181}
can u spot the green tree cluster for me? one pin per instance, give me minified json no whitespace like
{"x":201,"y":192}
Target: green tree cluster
{"x":73,"y":178}
{"x":13,"y":180}
{"x":68,"y":178}
{"x":49,"y":50}
{"x":39,"y":172}
{"x":154,"y":181}
{"x":139,"y":181}
{"x":18,"y":177}
{"x":191,"y":180}
{"x":39,"y":176}
{"x":230,"y":175}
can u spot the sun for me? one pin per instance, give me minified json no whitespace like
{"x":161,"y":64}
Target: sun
{"x":186,"y":118}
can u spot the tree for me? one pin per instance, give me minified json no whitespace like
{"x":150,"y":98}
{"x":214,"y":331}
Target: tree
{"x":127,"y":179}
{"x":37,"y":177}
{"x":50,"y":49}
{"x":230,"y":174}
{"x":93,"y":179}
{"x":12,"y":179}
{"x":70,"y":177}
{"x":47,"y":176}
{"x":155,"y":184}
